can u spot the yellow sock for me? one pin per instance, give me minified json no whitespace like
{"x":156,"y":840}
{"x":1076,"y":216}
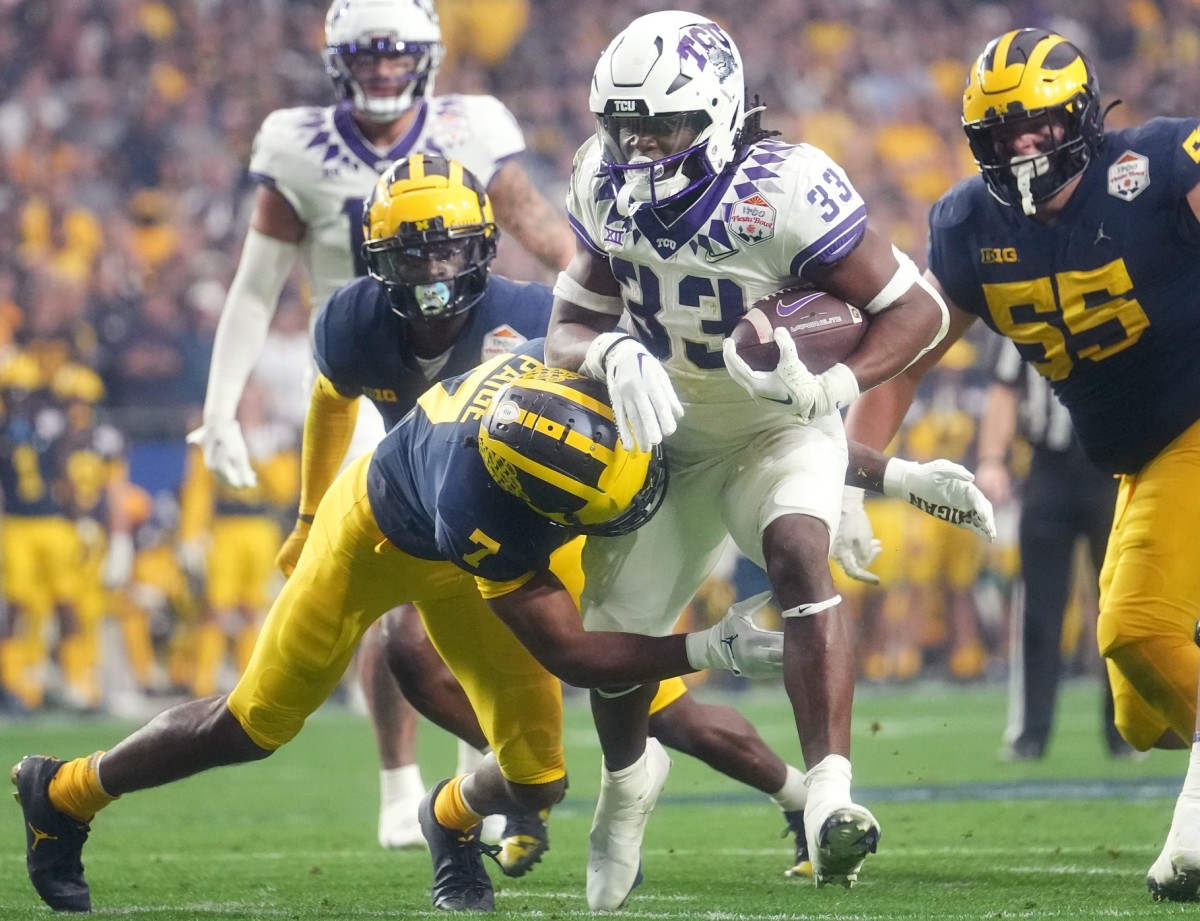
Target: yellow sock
{"x":76,"y":789}
{"x":451,"y":810}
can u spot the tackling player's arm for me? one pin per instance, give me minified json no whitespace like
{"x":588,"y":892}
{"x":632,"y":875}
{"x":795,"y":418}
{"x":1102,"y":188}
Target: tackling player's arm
{"x":940,"y":488}
{"x":875,"y":417}
{"x":525,"y":213}
{"x":328,"y":431}
{"x":542,"y":615}
{"x":268,"y":254}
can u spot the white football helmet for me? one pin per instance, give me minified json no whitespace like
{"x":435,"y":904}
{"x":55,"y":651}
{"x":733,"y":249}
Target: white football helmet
{"x":383,"y":27}
{"x":668,"y":94}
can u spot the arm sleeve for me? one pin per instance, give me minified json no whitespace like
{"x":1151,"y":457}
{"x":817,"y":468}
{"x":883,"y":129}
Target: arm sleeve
{"x":245,"y":320}
{"x":328,"y":430}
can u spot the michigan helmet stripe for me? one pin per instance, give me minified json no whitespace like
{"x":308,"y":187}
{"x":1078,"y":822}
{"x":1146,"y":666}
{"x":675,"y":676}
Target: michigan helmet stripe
{"x":567,"y":385}
{"x":550,"y":435}
{"x":538,"y":478}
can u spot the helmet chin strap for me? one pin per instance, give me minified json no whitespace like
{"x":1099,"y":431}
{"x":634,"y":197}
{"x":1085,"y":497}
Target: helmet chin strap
{"x":1025,"y":172}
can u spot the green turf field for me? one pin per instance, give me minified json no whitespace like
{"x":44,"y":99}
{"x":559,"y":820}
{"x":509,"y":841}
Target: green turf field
{"x":965,"y":836}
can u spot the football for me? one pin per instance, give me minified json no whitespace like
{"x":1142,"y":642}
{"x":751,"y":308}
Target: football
{"x":825,"y":329}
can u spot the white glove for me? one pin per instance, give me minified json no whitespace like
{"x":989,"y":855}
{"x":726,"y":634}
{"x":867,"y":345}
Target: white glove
{"x":791,"y":385}
{"x":225,"y":452}
{"x":855,"y":547}
{"x":942,"y":489}
{"x":737,"y":644}
{"x":643,"y":399}
{"x":118,"y":564}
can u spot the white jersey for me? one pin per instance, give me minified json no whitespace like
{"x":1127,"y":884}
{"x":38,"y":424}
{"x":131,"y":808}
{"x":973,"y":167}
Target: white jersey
{"x":785,"y":210}
{"x":318,"y":160}
{"x":736,"y":464}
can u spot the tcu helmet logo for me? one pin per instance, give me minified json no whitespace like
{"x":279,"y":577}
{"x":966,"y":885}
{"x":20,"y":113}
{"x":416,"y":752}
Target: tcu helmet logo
{"x":705,"y":43}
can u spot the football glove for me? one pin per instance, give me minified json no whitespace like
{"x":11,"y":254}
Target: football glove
{"x":225,"y":453}
{"x":855,"y":547}
{"x":942,"y":489}
{"x":791,"y":386}
{"x":643,"y":398}
{"x":289,"y":553}
{"x":737,"y":644}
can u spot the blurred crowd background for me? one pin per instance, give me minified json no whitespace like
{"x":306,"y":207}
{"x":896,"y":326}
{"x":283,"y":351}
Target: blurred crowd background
{"x":125,"y":130}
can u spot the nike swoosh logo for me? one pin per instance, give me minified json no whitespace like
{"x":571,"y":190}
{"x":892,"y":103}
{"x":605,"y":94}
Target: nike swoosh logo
{"x":788,"y":402}
{"x":711,"y":257}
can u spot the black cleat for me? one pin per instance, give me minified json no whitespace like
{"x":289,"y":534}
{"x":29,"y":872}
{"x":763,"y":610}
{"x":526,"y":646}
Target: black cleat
{"x":53,"y":840}
{"x":523,"y":843}
{"x":802,"y":865}
{"x":460,"y":883}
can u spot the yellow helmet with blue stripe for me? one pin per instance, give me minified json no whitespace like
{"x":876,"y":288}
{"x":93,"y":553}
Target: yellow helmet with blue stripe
{"x":1036,"y":77}
{"x":550,"y":439}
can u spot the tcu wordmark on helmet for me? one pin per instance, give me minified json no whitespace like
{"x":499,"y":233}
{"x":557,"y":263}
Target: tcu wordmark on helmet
{"x":668,"y":96}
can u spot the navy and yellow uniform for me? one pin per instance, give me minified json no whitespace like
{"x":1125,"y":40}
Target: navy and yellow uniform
{"x":1103,"y":301}
{"x":420,"y":521}
{"x":361,"y":347}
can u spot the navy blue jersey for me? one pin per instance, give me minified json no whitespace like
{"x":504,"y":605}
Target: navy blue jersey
{"x":431,"y":494}
{"x":361,"y":344}
{"x":1105,"y":300}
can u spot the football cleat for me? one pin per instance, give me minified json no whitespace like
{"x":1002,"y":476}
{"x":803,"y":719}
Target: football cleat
{"x":53,"y":840}
{"x":1175,"y":875}
{"x":614,"y":866}
{"x":523,"y":843}
{"x":841,"y":843}
{"x":460,"y":882}
{"x":802,"y":865}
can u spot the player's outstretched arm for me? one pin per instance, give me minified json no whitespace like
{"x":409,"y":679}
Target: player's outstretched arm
{"x":544,"y":618}
{"x":267,"y":258}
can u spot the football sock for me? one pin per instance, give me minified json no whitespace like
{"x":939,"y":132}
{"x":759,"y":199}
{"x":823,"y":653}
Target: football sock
{"x":829,"y":781}
{"x":1191,"y":780}
{"x":76,"y":788}
{"x":792,"y":796}
{"x":401,"y":783}
{"x":451,"y":810}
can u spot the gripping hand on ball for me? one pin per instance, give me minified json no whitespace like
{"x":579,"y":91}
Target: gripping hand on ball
{"x":790,"y":385}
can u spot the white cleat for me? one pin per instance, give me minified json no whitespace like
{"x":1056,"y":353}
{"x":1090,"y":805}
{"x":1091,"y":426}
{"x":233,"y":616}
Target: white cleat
{"x":1175,"y":875}
{"x":492,"y":829}
{"x":615,"y":844}
{"x":398,"y":825}
{"x":839,"y":841}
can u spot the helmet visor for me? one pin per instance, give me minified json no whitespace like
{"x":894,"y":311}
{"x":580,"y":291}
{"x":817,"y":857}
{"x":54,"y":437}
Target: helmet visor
{"x":394,"y":262}
{"x":650,"y":137}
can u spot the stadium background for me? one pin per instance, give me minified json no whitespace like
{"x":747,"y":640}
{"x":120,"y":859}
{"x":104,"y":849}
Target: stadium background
{"x":125,"y":129}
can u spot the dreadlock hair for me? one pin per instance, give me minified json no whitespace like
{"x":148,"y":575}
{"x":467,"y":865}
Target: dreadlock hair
{"x":752,"y":130}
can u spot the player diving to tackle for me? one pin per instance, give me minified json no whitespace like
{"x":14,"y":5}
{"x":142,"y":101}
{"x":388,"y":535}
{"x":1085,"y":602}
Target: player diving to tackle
{"x":470,"y":508}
